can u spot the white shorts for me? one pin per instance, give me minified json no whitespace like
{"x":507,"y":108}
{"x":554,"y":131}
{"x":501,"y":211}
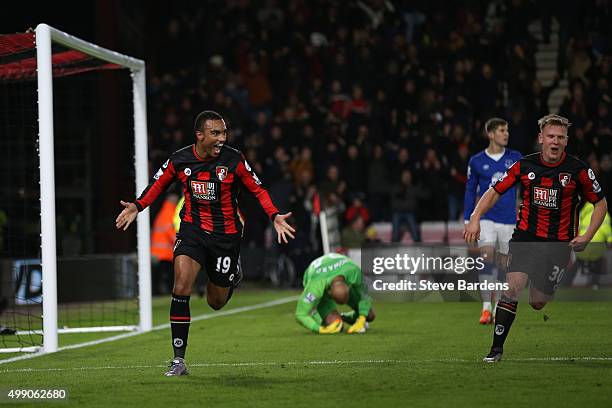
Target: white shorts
{"x":494,"y":232}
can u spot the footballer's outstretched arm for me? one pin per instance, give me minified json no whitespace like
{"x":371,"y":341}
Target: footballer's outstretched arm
{"x":161,"y":180}
{"x":127,"y":216}
{"x":250,"y":180}
{"x":471,"y":232}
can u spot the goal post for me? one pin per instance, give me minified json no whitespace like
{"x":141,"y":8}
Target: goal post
{"x":45,"y":37}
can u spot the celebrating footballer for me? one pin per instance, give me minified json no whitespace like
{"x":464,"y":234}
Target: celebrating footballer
{"x":552,"y":184}
{"x":211,"y":174}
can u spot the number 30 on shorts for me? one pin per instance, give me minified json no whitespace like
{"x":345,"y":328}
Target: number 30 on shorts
{"x":223,"y":264}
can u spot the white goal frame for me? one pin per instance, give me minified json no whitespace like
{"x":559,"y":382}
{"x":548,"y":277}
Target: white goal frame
{"x":45,"y":35}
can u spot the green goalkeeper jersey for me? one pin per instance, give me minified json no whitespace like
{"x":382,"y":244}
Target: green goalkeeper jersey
{"x":315,"y":303}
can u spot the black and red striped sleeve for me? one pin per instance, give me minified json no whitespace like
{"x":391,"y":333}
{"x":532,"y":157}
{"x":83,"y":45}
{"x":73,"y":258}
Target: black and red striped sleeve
{"x":509,"y":179}
{"x":250,"y":180}
{"x":161,"y":180}
{"x":590,"y":188}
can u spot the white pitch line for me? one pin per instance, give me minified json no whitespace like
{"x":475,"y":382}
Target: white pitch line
{"x":205,"y":316}
{"x":312,"y":363}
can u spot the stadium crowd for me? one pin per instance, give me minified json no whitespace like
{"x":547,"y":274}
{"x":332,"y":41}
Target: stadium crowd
{"x":374,"y":107}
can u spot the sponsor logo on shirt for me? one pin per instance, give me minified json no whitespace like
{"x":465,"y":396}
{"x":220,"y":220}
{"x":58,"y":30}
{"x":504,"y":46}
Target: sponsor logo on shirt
{"x":309,"y":298}
{"x":545,"y":197}
{"x":159,"y":173}
{"x":204,"y":190}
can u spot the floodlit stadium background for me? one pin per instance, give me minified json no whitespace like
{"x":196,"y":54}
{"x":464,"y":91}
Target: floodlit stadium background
{"x":331,"y":102}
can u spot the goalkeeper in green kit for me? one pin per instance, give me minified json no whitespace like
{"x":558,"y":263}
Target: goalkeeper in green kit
{"x":331,"y":280}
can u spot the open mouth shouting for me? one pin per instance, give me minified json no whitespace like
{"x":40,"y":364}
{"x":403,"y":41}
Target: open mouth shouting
{"x":216,"y":150}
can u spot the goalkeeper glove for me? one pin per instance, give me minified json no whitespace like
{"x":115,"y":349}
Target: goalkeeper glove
{"x":359,"y":326}
{"x":332,"y":328}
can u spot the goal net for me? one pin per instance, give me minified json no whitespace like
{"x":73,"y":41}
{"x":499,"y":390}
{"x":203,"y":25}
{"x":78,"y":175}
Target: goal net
{"x":73,"y":139}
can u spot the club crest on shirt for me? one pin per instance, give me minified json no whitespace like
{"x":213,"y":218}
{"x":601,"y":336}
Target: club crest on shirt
{"x":508,"y":163}
{"x":564,"y":178}
{"x":221,"y":172}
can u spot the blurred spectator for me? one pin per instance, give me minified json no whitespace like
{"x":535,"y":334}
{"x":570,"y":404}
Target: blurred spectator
{"x":404,"y":204}
{"x":357,"y":208}
{"x":302,"y":163}
{"x":254,"y":74}
{"x":433,"y":170}
{"x":332,"y":188}
{"x":378,"y":181}
{"x":348,"y":97}
{"x":404,"y":162}
{"x":458,"y":173}
{"x":353,"y":234}
{"x":355,"y":171}
{"x":537,"y":99}
{"x":578,"y":59}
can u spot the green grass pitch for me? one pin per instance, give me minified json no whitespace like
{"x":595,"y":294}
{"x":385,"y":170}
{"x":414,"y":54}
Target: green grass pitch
{"x":417,"y":354}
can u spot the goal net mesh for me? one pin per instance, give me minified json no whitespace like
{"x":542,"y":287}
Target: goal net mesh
{"x":97,"y":282}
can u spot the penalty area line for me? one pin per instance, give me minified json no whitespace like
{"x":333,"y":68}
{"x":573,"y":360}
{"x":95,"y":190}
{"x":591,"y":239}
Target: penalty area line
{"x":307,"y":363}
{"x":205,"y":316}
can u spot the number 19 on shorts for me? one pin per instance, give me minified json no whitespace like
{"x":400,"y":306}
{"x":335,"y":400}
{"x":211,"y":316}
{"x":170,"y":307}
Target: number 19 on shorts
{"x":223,"y":264}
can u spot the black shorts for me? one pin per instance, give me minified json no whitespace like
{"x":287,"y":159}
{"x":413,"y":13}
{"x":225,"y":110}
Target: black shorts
{"x":219,"y":255}
{"x":544,"y":262}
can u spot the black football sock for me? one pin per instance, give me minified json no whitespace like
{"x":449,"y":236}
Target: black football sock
{"x":504,"y":316}
{"x":180,"y":318}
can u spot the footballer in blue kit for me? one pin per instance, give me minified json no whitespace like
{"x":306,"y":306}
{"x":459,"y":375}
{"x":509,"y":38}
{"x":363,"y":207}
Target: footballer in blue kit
{"x":497,"y":225}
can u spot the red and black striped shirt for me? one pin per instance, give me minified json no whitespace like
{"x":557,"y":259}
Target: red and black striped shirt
{"x":211,"y":188}
{"x":550,"y":194}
